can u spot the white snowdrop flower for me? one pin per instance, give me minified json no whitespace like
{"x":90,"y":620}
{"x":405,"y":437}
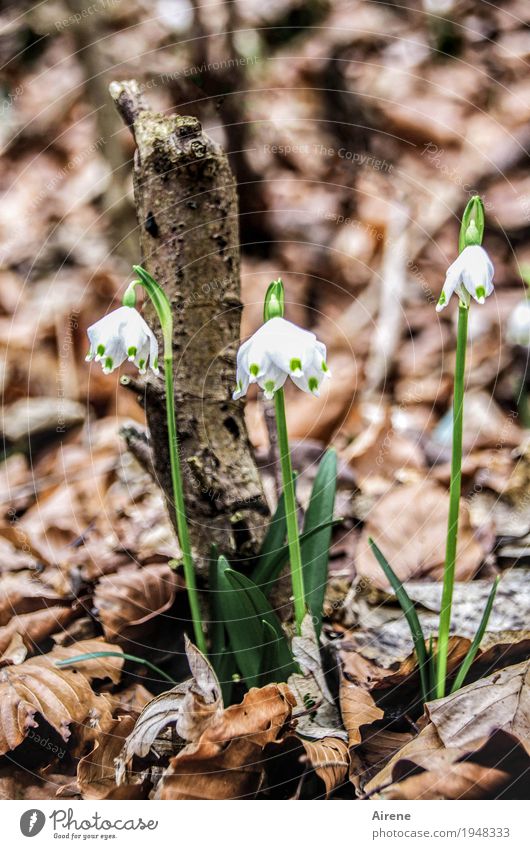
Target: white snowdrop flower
{"x":278,"y":350}
{"x":470,"y":274}
{"x":518,"y":330}
{"x":123,"y":335}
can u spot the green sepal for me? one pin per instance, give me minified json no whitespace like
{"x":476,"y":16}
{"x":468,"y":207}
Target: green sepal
{"x":274,"y":303}
{"x":472,"y":226}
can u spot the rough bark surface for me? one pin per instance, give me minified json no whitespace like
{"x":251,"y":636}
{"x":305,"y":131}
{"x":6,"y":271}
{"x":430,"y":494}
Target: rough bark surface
{"x":188,"y":220}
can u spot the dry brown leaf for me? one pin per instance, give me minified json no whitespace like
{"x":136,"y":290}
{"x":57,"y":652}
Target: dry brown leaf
{"x":501,"y":701}
{"x":60,"y":695}
{"x":127,"y":600}
{"x":96,"y":772}
{"x":409,"y":525}
{"x":358,"y":709}
{"x":21,"y":593}
{"x":292,"y":759}
{"x":226,"y":761}
{"x":15,"y":653}
{"x":35,"y":627}
{"x":24,"y":784}
{"x":190,"y":707}
{"x":493,"y":768}
{"x":423,"y":745}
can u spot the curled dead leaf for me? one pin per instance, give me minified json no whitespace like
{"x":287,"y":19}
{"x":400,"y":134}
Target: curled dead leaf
{"x":21,"y":593}
{"x":493,"y":769}
{"x":358,"y":709}
{"x":500,"y":701}
{"x":130,"y":598}
{"x":189,"y":707}
{"x":293,"y":762}
{"x":62,"y":696}
{"x":34,"y":627}
{"x":226,"y":762}
{"x":96,"y":770}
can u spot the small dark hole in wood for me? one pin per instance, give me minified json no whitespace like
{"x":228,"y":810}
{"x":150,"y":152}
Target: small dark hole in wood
{"x":151,"y":226}
{"x":232,"y":426}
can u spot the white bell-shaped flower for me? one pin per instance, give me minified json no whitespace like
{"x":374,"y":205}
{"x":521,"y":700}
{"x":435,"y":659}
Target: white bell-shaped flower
{"x":123,"y":335}
{"x":471,"y":274}
{"x":518,"y":330}
{"x":278,"y":350}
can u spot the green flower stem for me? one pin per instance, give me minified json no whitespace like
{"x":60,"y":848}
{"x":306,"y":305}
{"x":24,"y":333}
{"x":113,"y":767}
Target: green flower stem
{"x":163,"y":309}
{"x":295,"y":557}
{"x":454,"y":502}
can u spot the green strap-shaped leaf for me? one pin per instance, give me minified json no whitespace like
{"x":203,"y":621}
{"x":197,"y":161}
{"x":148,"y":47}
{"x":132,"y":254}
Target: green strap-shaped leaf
{"x":276,"y":563}
{"x":475,"y":645}
{"x":272,"y":544}
{"x":319,"y":520}
{"x":220,"y":656}
{"x":243,"y":626}
{"x":283,"y":664}
{"x":411,"y":616}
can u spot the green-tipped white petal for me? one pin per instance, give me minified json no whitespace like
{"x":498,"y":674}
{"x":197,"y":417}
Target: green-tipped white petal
{"x":278,"y":350}
{"x":122,"y":335}
{"x":471,"y":274}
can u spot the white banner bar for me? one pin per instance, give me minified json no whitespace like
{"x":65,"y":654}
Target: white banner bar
{"x":258,"y":825}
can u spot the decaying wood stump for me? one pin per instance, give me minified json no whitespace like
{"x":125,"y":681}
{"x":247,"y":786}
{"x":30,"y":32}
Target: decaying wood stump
{"x":189,"y":237}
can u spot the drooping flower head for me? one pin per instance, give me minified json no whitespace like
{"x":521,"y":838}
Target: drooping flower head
{"x":278,"y":350}
{"x":470,"y":276}
{"x":123,"y":335}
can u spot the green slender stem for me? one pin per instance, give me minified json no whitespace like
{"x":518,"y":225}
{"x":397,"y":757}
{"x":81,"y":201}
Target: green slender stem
{"x":295,"y":557}
{"x":454,"y":502}
{"x":163,"y":309}
{"x":95,"y":654}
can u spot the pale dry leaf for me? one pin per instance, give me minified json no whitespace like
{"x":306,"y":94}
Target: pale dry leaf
{"x":501,"y":701}
{"x":409,"y":524}
{"x":62,"y":696}
{"x":311,"y":690}
{"x":190,"y":707}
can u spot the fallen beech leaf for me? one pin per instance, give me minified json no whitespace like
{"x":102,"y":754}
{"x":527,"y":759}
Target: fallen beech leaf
{"x":190,"y":707}
{"x":130,"y":598}
{"x":96,"y":773}
{"x":226,"y":761}
{"x":60,"y":695}
{"x":358,"y":709}
{"x":511,"y":610}
{"x":34,"y":627}
{"x":292,"y":759}
{"x":501,"y":701}
{"x":409,"y":524}
{"x":424,"y":744}
{"x":21,"y":593}
{"x":497,"y":767}
{"x":15,"y":653}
